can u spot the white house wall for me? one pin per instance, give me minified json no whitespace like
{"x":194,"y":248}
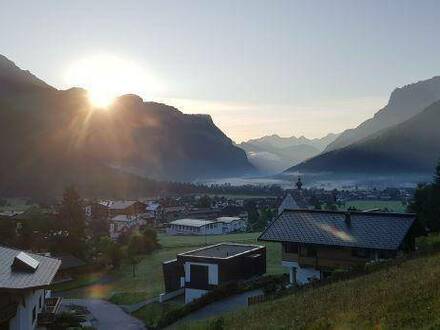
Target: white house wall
{"x":23,"y":319}
{"x":302,"y":275}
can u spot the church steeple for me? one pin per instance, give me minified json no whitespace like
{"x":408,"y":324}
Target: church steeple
{"x":299,"y":184}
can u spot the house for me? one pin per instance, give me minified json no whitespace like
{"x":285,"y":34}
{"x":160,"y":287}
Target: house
{"x":23,"y":279}
{"x":194,"y":227}
{"x":70,"y":265}
{"x":121,"y":223}
{"x":97,"y":210}
{"x":196,"y":272}
{"x":204,"y":213}
{"x":132,"y":208}
{"x":232,"y":224}
{"x":315,"y":242}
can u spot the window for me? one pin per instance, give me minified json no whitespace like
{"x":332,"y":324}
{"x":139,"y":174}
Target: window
{"x":41,"y":301}
{"x":291,"y":248}
{"x":310,"y":251}
{"x":34,"y":314}
{"x":361,"y":253}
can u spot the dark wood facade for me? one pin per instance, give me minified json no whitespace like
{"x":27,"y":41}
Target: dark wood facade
{"x":324,"y":257}
{"x":234,"y":268}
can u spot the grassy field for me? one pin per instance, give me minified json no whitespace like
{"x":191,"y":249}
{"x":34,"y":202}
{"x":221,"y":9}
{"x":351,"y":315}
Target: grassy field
{"x":395,"y":206}
{"x":16,"y":204}
{"x":400,"y":297}
{"x":123,"y":288}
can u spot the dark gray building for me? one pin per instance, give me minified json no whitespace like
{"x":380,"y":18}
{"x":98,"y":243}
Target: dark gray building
{"x":198,"y":271}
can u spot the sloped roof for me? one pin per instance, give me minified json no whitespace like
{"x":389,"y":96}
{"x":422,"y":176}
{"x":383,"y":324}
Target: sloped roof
{"x":288,"y":203}
{"x":12,"y":278}
{"x":123,"y":218}
{"x":120,"y":205}
{"x":383,"y":231}
{"x":69,"y":261}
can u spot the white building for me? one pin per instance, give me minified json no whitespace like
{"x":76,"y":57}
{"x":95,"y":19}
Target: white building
{"x":23,"y":279}
{"x":232,"y":224}
{"x":195,"y":227}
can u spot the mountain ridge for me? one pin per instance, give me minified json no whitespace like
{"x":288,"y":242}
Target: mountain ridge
{"x":408,"y":147}
{"x":51,"y":138}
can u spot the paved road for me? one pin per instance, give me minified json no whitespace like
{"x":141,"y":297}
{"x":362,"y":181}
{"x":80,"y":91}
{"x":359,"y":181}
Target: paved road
{"x":218,"y":308}
{"x":107,"y":315}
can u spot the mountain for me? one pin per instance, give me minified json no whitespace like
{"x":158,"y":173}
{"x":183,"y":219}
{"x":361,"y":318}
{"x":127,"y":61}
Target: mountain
{"x":50,"y":138}
{"x":403,"y":104}
{"x":273,"y":153}
{"x":410,"y":147}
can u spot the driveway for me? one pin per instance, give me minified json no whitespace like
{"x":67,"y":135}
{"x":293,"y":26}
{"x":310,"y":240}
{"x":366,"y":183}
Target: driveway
{"x":107,"y":315}
{"x":218,"y":308}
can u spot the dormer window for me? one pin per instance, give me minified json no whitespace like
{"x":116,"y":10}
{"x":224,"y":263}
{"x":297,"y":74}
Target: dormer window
{"x":24,"y":262}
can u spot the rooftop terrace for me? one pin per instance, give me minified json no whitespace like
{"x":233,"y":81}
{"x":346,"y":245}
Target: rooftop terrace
{"x":222,"y":250}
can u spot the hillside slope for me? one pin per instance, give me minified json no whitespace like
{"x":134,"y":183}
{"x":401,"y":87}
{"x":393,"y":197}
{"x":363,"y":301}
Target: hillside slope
{"x":403,"y":104}
{"x":410,"y":147}
{"x":406,"y":296}
{"x":50,"y":138}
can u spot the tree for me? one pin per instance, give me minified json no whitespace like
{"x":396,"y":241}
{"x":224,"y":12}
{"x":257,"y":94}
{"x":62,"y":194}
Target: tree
{"x":204,"y":202}
{"x":71,"y":220}
{"x":150,"y":240}
{"x":426,"y":204}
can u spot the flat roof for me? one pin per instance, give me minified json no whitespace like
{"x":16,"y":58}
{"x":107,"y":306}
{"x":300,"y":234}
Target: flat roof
{"x":227,"y":219}
{"x":222,"y":250}
{"x":191,"y":222}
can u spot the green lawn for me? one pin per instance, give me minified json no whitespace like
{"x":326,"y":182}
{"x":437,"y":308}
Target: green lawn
{"x":406,"y":296}
{"x":123,"y":288}
{"x":395,"y":206}
{"x":241,"y":196}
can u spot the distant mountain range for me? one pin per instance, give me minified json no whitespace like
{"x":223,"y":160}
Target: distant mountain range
{"x":50,"y":138}
{"x":410,"y":146}
{"x":273,"y":154}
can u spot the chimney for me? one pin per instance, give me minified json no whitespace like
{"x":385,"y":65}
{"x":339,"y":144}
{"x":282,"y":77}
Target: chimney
{"x":348,"y":219}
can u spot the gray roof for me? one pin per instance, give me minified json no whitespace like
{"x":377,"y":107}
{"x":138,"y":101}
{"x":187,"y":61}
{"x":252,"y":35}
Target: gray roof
{"x":191,"y":222}
{"x":12,"y":278}
{"x":287,"y":203}
{"x":222,"y":250}
{"x":383,"y":231}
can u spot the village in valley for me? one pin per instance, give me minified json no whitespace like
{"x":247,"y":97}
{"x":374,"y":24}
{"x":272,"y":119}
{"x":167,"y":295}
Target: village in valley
{"x":155,"y":257}
{"x":219,"y":165}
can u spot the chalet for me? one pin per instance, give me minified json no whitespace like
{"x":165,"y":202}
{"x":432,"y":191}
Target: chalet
{"x":97,"y":210}
{"x":23,"y":279}
{"x":196,"y":272}
{"x":131,"y":208}
{"x":315,"y":242}
{"x":232,"y":224}
{"x":121,"y":223}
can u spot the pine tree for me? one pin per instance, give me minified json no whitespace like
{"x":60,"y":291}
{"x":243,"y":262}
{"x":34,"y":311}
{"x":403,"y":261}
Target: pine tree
{"x":71,"y":220}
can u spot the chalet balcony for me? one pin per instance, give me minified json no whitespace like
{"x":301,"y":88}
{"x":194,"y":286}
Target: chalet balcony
{"x":324,"y":263}
{"x":51,"y":307}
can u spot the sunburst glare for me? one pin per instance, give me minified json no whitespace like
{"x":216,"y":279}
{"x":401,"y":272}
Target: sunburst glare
{"x":107,"y":76}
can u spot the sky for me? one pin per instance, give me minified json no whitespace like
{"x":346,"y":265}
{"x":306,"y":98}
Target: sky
{"x":257,"y":67}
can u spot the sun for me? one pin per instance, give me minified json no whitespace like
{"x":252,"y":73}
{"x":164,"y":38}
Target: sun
{"x":100,"y":99}
{"x":106,"y":77}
